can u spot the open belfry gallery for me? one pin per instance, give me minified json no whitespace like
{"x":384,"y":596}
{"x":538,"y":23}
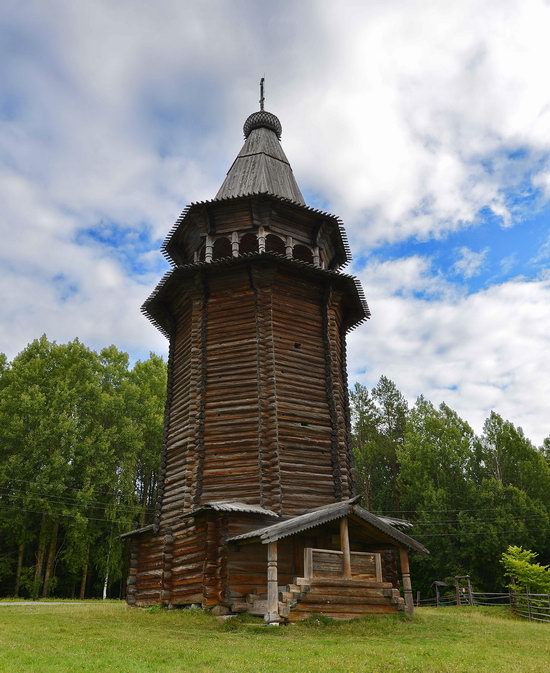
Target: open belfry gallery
{"x":256,"y":510}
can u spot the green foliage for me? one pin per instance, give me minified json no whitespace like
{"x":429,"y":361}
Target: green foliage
{"x":526,"y":575}
{"x":6,"y":566}
{"x":469,"y":497}
{"x":80,"y":441}
{"x":379,"y":419}
{"x":317,"y":621}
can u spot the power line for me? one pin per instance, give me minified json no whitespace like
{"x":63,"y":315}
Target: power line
{"x":471,"y":522}
{"x":67,"y":488}
{"x":76,"y":513}
{"x":72,"y":516}
{"x":484,"y":532}
{"x":389,"y":512}
{"x":60,"y":500}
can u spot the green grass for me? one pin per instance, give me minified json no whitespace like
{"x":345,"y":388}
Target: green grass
{"x":111,"y":638}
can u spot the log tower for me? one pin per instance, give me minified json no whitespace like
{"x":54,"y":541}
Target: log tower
{"x":257,"y":427}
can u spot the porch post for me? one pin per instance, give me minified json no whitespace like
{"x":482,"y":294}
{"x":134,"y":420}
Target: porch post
{"x":344,"y":547}
{"x":406,"y":575}
{"x":272,"y":613}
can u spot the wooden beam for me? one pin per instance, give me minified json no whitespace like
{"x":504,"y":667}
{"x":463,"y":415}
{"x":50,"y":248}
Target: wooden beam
{"x":406,"y":575}
{"x":272,"y":614}
{"x":344,"y":546}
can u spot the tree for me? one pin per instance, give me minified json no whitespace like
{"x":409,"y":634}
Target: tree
{"x":78,"y":432}
{"x":438,"y":474}
{"x":378,"y":425}
{"x":524,"y":572}
{"x":513,"y":460}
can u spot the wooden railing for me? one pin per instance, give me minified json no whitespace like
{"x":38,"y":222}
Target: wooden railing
{"x":328,"y":563}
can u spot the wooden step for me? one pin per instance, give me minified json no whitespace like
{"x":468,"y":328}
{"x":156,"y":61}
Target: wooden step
{"x":290,"y":587}
{"x":330,"y":590}
{"x":340,"y":608}
{"x":329,"y":599}
{"x":341,"y":582}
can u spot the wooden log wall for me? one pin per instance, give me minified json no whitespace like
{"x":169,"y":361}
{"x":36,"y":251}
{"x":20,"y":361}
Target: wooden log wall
{"x":257,"y":413}
{"x":258,"y":410}
{"x":148,"y":585}
{"x":189,"y":553}
{"x":132,"y":573}
{"x":231,"y":464}
{"x":303,"y":415}
{"x":268,"y":411}
{"x":337,"y":391}
{"x":175,"y":491}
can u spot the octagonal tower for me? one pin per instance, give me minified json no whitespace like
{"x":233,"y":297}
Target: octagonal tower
{"x":257,"y":425}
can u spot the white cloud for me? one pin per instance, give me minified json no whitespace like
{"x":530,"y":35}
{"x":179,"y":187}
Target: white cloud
{"x":542,"y":181}
{"x":543,"y":253}
{"x":420,"y":107}
{"x":469,"y":263}
{"x":405,"y":117}
{"x":487,"y":350}
{"x":507,"y":263}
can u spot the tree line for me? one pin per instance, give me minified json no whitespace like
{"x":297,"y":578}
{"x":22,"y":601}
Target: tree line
{"x":80,"y":440}
{"x":469,"y":496}
{"x":80,"y":443}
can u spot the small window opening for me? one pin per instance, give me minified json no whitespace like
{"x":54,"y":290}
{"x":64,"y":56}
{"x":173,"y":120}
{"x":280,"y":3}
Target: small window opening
{"x":302,"y":253}
{"x":221,"y":249}
{"x":248,"y":244}
{"x":274,"y":244}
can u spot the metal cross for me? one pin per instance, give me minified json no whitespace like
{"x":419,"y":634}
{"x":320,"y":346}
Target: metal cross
{"x":262,"y":99}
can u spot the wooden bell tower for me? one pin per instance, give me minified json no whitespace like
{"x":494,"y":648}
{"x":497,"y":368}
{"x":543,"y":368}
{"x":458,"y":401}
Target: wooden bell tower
{"x":257,"y":419}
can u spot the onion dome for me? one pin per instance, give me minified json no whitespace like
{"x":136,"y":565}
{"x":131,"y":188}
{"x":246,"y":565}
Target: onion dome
{"x":265,"y":120}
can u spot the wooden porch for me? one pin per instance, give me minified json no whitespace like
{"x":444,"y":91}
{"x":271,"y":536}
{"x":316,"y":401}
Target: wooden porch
{"x":340,"y":584}
{"x":331,"y":576}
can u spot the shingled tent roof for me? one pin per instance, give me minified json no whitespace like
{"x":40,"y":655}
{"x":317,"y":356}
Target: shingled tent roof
{"x":261,"y":166}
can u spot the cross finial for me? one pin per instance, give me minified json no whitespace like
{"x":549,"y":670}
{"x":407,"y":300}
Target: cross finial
{"x":262,"y":99}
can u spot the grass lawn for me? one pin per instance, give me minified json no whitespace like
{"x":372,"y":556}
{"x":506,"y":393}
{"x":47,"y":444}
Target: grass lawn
{"x":111,"y":638}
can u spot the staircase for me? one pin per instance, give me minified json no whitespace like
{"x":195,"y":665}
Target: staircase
{"x":340,"y":598}
{"x":334,"y":597}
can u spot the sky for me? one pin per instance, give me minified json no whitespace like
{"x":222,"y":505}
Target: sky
{"x":424,"y":125}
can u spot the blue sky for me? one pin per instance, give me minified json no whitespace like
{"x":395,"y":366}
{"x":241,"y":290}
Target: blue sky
{"x":425,"y":126}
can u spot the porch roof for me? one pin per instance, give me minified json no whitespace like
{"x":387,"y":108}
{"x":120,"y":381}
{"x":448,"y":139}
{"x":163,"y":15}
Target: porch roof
{"x":322,"y":515}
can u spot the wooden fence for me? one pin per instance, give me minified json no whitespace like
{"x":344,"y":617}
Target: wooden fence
{"x":535,"y":607}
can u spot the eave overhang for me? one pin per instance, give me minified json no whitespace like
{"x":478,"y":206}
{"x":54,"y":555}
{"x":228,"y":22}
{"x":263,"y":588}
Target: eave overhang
{"x":146,"y":530}
{"x":157,"y":307}
{"x":230,"y":506}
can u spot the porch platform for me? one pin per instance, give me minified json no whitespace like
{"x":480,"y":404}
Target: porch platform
{"x":338,"y":598}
